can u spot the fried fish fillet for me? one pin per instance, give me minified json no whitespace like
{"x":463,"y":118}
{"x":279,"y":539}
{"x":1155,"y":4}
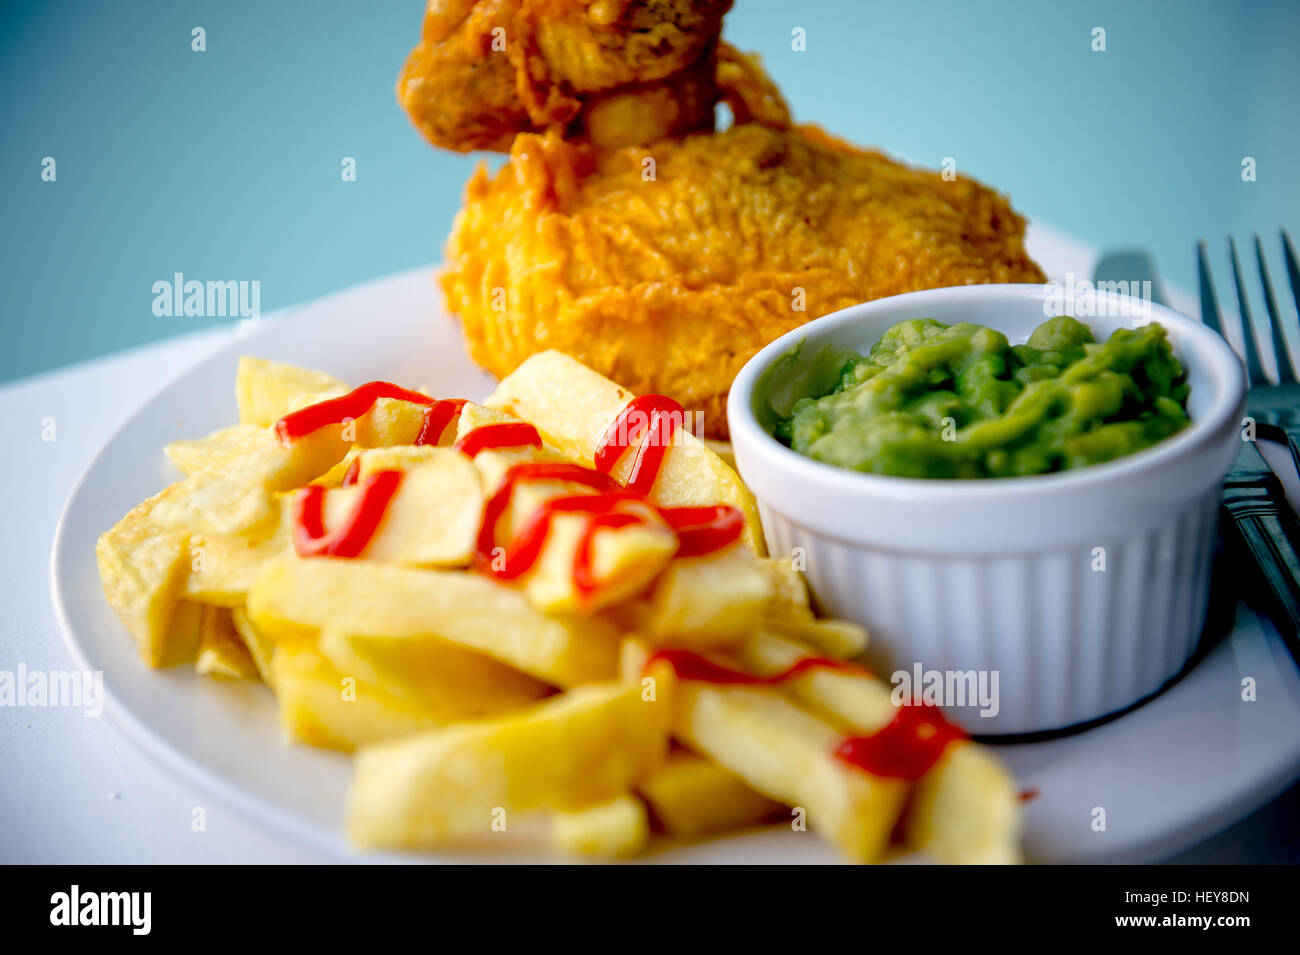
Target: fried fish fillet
{"x":666,"y":266}
{"x":485,"y":70}
{"x":626,"y":232}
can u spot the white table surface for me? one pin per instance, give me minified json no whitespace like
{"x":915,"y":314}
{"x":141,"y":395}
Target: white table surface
{"x":73,"y":789}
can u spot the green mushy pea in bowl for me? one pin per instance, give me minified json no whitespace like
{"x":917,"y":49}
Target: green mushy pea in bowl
{"x":970,"y":575}
{"x":959,"y":401}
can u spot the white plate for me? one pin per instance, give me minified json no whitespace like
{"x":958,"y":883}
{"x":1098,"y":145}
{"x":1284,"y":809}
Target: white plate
{"x":1167,"y":774}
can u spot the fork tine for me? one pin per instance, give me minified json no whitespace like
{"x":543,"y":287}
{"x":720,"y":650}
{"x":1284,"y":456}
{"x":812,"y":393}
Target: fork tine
{"x":1280,"y":353}
{"x":1254,"y":370}
{"x":1209,"y":300}
{"x":1292,"y":268}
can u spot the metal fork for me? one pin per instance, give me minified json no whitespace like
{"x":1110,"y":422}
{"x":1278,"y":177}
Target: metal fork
{"x":1272,"y":404}
{"x":1252,"y":494}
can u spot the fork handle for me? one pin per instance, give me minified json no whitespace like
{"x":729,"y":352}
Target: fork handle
{"x":1270,"y":532}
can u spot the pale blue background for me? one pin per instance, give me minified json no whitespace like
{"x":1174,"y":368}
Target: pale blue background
{"x":225,"y":164}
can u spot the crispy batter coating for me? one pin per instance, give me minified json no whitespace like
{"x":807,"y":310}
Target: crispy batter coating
{"x":748,"y":91}
{"x":487,"y":69}
{"x":624,"y":231}
{"x":667,"y":266}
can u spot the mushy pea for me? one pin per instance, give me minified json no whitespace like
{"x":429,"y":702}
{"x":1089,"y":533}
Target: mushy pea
{"x":958,"y":401}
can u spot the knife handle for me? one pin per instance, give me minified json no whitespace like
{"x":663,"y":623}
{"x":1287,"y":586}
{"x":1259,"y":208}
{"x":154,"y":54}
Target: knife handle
{"x":1270,"y":532}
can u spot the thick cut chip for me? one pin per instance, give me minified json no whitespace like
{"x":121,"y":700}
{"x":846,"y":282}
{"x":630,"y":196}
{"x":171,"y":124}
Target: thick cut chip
{"x":323,"y":706}
{"x":143,"y":568}
{"x":780,"y":750}
{"x":335,"y":475}
{"x":723,"y":450}
{"x":790,"y":612}
{"x":239,"y":496}
{"x":966,"y":809}
{"x":222,"y":653}
{"x":583,"y":747}
{"x":309,"y":398}
{"x":834,"y":638}
{"x":788,"y":754}
{"x":389,"y":422}
{"x":266,"y":391}
{"x":395,"y":458}
{"x":185,"y":630}
{"x":473,"y":416}
{"x":462,"y":683}
{"x":432,"y":520}
{"x":691,"y":796}
{"x":494,"y":463}
{"x":789,"y":590}
{"x":224,"y":566}
{"x":611,"y":830}
{"x":573,"y":407}
{"x":711,"y":601}
{"x":854,"y":696}
{"x":623,"y":562}
{"x":199,"y":453}
{"x":260,"y":647}
{"x":296,"y":596}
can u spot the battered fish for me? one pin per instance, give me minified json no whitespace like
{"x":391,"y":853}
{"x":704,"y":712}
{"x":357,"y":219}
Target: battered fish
{"x":667,"y":266}
{"x":486,"y":70}
{"x":625,"y":231}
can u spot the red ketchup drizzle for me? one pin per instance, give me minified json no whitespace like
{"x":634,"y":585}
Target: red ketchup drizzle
{"x":904,"y":748}
{"x":437,"y":417}
{"x":352,"y":473}
{"x":703,"y":530}
{"x":350,"y":538}
{"x":523,"y":551}
{"x":513,"y":434}
{"x":601,"y":511}
{"x":700,"y":529}
{"x":661,"y":417}
{"x":353,"y":405}
{"x":689,"y":665}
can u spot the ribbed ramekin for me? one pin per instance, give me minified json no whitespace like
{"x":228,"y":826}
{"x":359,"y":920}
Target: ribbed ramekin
{"x":1081,"y":593}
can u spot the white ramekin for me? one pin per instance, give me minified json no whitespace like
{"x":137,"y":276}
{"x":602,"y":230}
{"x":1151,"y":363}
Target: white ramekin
{"x":1004,"y":575}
